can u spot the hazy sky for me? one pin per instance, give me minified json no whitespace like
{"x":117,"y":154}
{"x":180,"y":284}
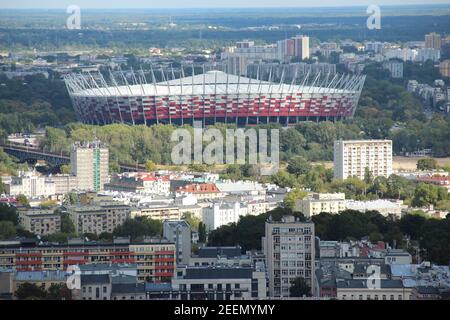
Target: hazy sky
{"x":199,"y":3}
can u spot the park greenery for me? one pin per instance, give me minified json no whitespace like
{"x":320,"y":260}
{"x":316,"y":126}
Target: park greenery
{"x":30,"y":291}
{"x":302,"y":176}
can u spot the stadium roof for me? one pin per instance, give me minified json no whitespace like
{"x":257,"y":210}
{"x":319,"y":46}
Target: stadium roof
{"x":209,"y":83}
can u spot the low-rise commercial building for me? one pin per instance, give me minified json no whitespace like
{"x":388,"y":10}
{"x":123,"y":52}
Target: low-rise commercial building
{"x":42,"y":279}
{"x":384,"y":207}
{"x":202,"y":191}
{"x":365,"y":290}
{"x":220,"y":283}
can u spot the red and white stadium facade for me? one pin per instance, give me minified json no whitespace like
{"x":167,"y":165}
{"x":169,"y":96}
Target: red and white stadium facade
{"x":212,"y":97}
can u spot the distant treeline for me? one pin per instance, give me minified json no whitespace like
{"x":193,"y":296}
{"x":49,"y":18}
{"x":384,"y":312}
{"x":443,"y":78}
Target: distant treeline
{"x":198,"y":35}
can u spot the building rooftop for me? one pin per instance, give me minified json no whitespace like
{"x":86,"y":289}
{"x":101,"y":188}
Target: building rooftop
{"x":87,"y":279}
{"x":128,"y":288}
{"x":157,"y":287}
{"x":214,"y":252}
{"x":218,"y":273}
{"x":107,"y":267}
{"x":355,"y":284}
{"x":40,"y":276}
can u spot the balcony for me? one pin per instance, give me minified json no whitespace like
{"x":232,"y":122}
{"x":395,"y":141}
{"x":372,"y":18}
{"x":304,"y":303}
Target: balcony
{"x":30,"y":254}
{"x":28,"y":262}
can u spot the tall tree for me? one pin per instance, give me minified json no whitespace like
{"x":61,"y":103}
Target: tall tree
{"x":30,"y":291}
{"x":299,"y":288}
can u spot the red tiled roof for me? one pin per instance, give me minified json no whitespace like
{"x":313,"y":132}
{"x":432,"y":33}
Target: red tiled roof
{"x":199,"y":188}
{"x":445,"y":180}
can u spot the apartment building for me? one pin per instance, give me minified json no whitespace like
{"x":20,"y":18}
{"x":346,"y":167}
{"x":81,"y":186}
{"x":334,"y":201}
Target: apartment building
{"x":202,"y":191}
{"x":29,"y":184}
{"x":395,"y":68}
{"x":64,"y":183}
{"x":222,"y":213}
{"x":89,"y":162}
{"x":98,"y":218}
{"x":444,"y":69}
{"x":139,"y":182}
{"x":352,"y":157}
{"x":301,"y":47}
{"x":154,"y":258}
{"x":179,"y":232}
{"x":289,"y":247}
{"x":40,"y":222}
{"x":433,"y":40}
{"x":157,"y":212}
{"x":317,"y":203}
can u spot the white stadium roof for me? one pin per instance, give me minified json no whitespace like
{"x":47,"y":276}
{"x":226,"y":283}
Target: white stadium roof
{"x":209,"y":83}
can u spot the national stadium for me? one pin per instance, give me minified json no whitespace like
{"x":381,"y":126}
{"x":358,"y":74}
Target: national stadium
{"x":211,"y":97}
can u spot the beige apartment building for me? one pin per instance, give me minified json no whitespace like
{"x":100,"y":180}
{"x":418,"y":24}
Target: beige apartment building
{"x":40,"y":222}
{"x":316,"y":203}
{"x":89,"y":162}
{"x":98,"y":218}
{"x":352,"y":157}
{"x":289,"y":249}
{"x":433,"y":40}
{"x":444,"y":69}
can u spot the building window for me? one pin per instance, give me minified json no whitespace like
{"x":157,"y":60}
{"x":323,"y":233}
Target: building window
{"x":104,"y":289}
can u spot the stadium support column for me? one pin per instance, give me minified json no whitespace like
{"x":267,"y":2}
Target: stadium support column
{"x":155,"y":88}
{"x":181,"y":95}
{"x":259,"y":93}
{"x":270,"y":94}
{"x":129,"y":97}
{"x":226,"y":100}
{"x":291,"y":94}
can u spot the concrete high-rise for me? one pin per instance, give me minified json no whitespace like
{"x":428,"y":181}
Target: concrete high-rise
{"x":289,"y":247}
{"x":433,"y":40}
{"x":353,"y":157}
{"x":179,"y":232}
{"x":89,"y":162}
{"x":301,"y":47}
